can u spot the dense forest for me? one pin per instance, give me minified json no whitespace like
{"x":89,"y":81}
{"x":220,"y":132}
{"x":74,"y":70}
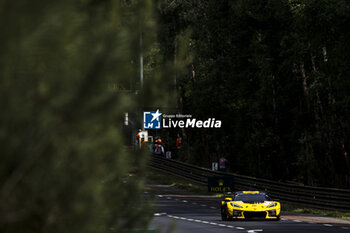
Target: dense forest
{"x":276,"y":72}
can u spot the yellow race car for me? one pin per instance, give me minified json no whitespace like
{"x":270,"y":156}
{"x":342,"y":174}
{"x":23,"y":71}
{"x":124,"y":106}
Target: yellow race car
{"x":250,"y":204}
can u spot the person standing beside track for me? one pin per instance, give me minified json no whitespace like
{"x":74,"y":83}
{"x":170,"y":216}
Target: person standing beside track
{"x":222,"y":164}
{"x":158,"y":148}
{"x":178,"y":141}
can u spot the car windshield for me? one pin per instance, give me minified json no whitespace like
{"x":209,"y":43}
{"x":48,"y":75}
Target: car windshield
{"x":252,"y":198}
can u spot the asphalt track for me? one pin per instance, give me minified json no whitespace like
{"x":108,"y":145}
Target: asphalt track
{"x":179,"y":211}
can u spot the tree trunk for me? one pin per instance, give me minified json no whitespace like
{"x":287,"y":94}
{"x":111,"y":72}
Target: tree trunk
{"x":305,"y":88}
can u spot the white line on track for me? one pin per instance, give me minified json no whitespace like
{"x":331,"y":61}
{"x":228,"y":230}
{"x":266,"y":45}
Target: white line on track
{"x":345,"y":228}
{"x":160,"y":195}
{"x":159,"y":214}
{"x":297,"y":221}
{"x":328,"y":225}
{"x":184,"y":201}
{"x":213,"y":223}
{"x":203,"y":205}
{"x":212,"y":207}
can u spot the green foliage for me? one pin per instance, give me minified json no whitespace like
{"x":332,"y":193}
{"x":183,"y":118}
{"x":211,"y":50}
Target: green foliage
{"x":64,"y":167}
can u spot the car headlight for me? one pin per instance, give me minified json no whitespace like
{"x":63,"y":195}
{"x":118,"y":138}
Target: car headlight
{"x":272,"y":205}
{"x":235,"y":205}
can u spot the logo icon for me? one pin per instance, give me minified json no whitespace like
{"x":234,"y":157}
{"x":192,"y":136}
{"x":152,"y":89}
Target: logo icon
{"x":151,"y":120}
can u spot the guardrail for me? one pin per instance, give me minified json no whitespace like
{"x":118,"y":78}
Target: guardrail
{"x":324,"y":198}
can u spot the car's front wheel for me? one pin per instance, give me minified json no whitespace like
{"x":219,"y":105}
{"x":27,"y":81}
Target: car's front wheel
{"x":224,"y":215}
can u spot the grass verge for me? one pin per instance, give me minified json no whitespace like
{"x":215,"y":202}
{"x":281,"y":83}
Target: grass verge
{"x":180,"y":183}
{"x":306,"y":210}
